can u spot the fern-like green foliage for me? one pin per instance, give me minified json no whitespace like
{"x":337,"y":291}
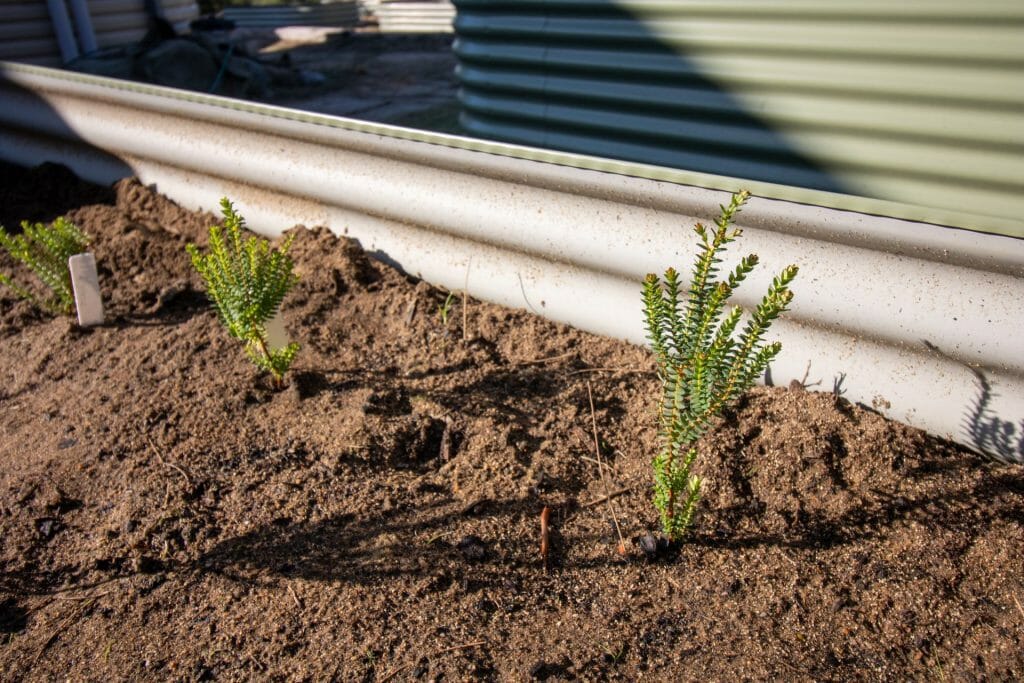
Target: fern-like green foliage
{"x":247,"y":281}
{"x":702,"y":363}
{"x":45,"y":250}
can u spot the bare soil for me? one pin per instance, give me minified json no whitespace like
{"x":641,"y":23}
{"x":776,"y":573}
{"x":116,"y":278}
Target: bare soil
{"x":167,"y":515}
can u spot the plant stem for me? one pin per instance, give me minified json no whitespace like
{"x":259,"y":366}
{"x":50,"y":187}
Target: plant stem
{"x":278,"y":377}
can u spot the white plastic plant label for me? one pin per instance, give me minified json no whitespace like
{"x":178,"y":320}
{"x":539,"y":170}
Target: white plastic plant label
{"x":277,"y":336}
{"x":86,"y":286}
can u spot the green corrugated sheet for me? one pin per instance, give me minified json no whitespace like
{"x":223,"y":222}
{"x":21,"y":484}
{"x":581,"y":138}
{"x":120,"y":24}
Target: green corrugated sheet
{"x":917,"y":103}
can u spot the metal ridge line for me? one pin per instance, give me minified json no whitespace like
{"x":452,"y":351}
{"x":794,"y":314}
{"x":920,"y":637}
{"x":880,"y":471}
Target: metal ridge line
{"x":865,"y":205}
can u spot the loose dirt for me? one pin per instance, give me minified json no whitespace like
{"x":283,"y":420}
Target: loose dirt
{"x":167,"y":515}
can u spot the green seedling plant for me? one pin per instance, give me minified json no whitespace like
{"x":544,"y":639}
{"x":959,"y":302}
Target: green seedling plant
{"x":45,"y":250}
{"x":445,"y":309}
{"x":702,"y":363}
{"x":247,"y":281}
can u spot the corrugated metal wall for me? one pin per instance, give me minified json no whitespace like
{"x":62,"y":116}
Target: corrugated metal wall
{"x":118,"y":22}
{"x":919,"y":102}
{"x":416,"y":16}
{"x":336,"y":13}
{"x":27,"y":35}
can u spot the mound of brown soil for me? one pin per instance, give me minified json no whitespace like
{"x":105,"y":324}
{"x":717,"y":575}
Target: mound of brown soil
{"x":166,"y":515}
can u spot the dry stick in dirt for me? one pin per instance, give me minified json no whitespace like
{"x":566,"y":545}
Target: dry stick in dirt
{"x":549,"y":359}
{"x":601,"y":472}
{"x":545,"y":516}
{"x":604,"y":369}
{"x":177,"y":468}
{"x":75,"y":613}
{"x":465,"y":302}
{"x":607,"y":496}
{"x":701,"y":365}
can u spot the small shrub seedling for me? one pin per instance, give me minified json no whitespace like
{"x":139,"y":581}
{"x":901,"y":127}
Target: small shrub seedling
{"x":247,"y":281}
{"x":45,"y":250}
{"x":445,"y":309}
{"x":701,"y":364}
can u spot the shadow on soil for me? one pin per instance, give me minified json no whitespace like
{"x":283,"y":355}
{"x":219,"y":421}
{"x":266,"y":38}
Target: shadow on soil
{"x":1000,"y":497}
{"x":423,"y":542}
{"x":344,"y":548}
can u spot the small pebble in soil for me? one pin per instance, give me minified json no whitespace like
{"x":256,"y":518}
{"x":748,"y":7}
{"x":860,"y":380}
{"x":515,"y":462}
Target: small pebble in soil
{"x":473,"y":548}
{"x":653,"y":546}
{"x":46,"y":526}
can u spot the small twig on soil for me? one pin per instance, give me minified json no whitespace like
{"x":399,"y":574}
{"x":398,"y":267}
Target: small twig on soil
{"x":180,"y":470}
{"x":298,"y":603}
{"x":549,"y":359}
{"x":410,"y":309}
{"x":624,"y":369}
{"x":522,"y":288}
{"x":75,"y":613}
{"x":598,"y":463}
{"x":465,"y":302}
{"x":496,"y":600}
{"x":1019,"y":608}
{"x":608,"y":496}
{"x":803,"y":382}
{"x":87,"y":586}
{"x":445,"y":449}
{"x":71,"y":598}
{"x":601,"y":473}
{"x":545,"y":514}
{"x":395,"y":672}
{"x":464,"y":646}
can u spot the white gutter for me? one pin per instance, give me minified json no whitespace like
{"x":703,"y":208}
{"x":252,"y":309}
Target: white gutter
{"x":919,"y":321}
{"x":62,"y":29}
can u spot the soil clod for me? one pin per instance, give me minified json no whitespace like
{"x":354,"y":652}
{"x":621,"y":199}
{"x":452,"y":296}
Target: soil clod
{"x":473,"y":548}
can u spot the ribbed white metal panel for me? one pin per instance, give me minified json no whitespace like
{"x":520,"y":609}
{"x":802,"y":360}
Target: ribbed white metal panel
{"x":422,"y":16}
